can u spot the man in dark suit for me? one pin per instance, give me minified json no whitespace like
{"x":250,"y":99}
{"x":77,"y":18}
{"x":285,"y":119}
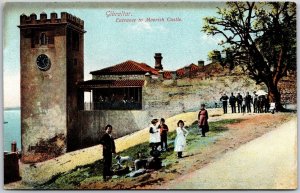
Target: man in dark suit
{"x":239,"y":99}
{"x":232,"y":101}
{"x":248,"y":101}
{"x":107,"y":141}
{"x":224,"y":100}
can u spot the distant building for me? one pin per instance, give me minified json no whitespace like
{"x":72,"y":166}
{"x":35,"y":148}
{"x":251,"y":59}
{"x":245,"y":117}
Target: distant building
{"x":118,"y":86}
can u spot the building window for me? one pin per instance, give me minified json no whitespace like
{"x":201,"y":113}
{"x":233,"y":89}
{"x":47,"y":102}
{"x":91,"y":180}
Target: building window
{"x":43,"y":39}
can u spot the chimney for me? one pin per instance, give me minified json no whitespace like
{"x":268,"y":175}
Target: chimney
{"x":158,"y":59}
{"x":200,"y":63}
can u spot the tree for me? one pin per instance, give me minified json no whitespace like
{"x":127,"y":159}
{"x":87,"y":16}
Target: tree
{"x":260,"y":36}
{"x":214,"y":55}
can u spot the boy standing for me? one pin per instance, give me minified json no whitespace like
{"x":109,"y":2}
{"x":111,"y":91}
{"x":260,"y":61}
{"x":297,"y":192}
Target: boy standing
{"x":163,"y":134}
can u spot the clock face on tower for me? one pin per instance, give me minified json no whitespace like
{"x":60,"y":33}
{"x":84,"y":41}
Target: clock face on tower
{"x":43,"y":62}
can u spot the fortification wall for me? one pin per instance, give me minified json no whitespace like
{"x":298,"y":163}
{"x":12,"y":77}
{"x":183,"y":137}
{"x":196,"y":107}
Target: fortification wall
{"x":160,"y":99}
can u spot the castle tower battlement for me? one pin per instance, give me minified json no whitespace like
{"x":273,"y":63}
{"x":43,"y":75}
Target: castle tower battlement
{"x":64,"y":18}
{"x":51,"y":59}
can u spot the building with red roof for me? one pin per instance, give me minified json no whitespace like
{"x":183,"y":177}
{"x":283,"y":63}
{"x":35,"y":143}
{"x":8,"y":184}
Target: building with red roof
{"x":116,"y":86}
{"x":125,"y":68}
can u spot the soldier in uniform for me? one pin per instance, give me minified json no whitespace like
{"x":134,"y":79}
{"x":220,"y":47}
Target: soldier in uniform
{"x":248,"y":101}
{"x":255,"y":103}
{"x":239,"y":99}
{"x":232,"y":101}
{"x":262,"y":101}
{"x":224,"y":100}
{"x":267,"y":104}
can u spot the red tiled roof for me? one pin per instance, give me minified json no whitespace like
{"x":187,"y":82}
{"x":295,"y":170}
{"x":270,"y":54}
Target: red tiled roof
{"x":111,"y":83}
{"x":194,"y":67}
{"x":181,"y":71}
{"x":128,"y":67}
{"x":167,"y":75}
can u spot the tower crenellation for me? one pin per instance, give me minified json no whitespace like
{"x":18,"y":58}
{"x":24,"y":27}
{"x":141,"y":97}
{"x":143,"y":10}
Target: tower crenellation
{"x":53,"y":17}
{"x":33,"y":18}
{"x":65,"y":18}
{"x":43,"y":17}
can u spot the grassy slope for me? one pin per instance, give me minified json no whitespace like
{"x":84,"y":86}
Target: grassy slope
{"x":93,"y":172}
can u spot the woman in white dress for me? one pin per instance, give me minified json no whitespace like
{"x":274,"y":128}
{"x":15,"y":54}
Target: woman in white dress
{"x":154,"y":134}
{"x":180,"y":140}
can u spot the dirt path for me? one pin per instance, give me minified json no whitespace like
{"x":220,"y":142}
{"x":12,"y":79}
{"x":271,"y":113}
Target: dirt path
{"x":268,"y":162}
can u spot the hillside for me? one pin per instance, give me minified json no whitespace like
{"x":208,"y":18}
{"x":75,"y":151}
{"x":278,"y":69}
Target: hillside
{"x":81,"y":169}
{"x":215,"y":71}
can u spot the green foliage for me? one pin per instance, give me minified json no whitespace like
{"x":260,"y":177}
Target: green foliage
{"x":260,"y":36}
{"x":73,"y":178}
{"x":212,"y":54}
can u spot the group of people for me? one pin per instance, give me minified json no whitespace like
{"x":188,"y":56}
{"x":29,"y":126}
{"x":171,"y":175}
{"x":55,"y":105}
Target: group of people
{"x":159,"y":132}
{"x":158,"y":135}
{"x":158,"y":140}
{"x":261,"y":104}
{"x":116,"y":102}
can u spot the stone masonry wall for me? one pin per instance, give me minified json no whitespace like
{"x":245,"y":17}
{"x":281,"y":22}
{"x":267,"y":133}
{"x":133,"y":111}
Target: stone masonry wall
{"x":161,"y":99}
{"x":288,"y":90}
{"x":43,"y":113}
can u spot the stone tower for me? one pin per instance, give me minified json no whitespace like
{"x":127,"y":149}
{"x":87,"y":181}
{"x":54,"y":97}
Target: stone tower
{"x":51,"y":56}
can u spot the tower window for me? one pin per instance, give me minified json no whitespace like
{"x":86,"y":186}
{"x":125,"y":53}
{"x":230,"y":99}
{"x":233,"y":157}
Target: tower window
{"x":43,"y":39}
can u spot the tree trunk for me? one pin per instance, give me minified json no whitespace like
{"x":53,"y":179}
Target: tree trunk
{"x":275,"y":96}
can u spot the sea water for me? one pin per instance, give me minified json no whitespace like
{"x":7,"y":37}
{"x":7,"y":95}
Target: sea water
{"x":12,"y":129}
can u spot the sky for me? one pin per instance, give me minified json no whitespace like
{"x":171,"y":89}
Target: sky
{"x":108,"y":42}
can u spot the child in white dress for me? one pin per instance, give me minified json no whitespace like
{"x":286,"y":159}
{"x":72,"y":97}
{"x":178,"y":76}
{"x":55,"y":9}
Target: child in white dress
{"x":180,"y":140}
{"x":154,"y":135}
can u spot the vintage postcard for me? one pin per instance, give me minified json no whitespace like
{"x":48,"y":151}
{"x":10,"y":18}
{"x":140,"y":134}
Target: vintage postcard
{"x":150,"y":95}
